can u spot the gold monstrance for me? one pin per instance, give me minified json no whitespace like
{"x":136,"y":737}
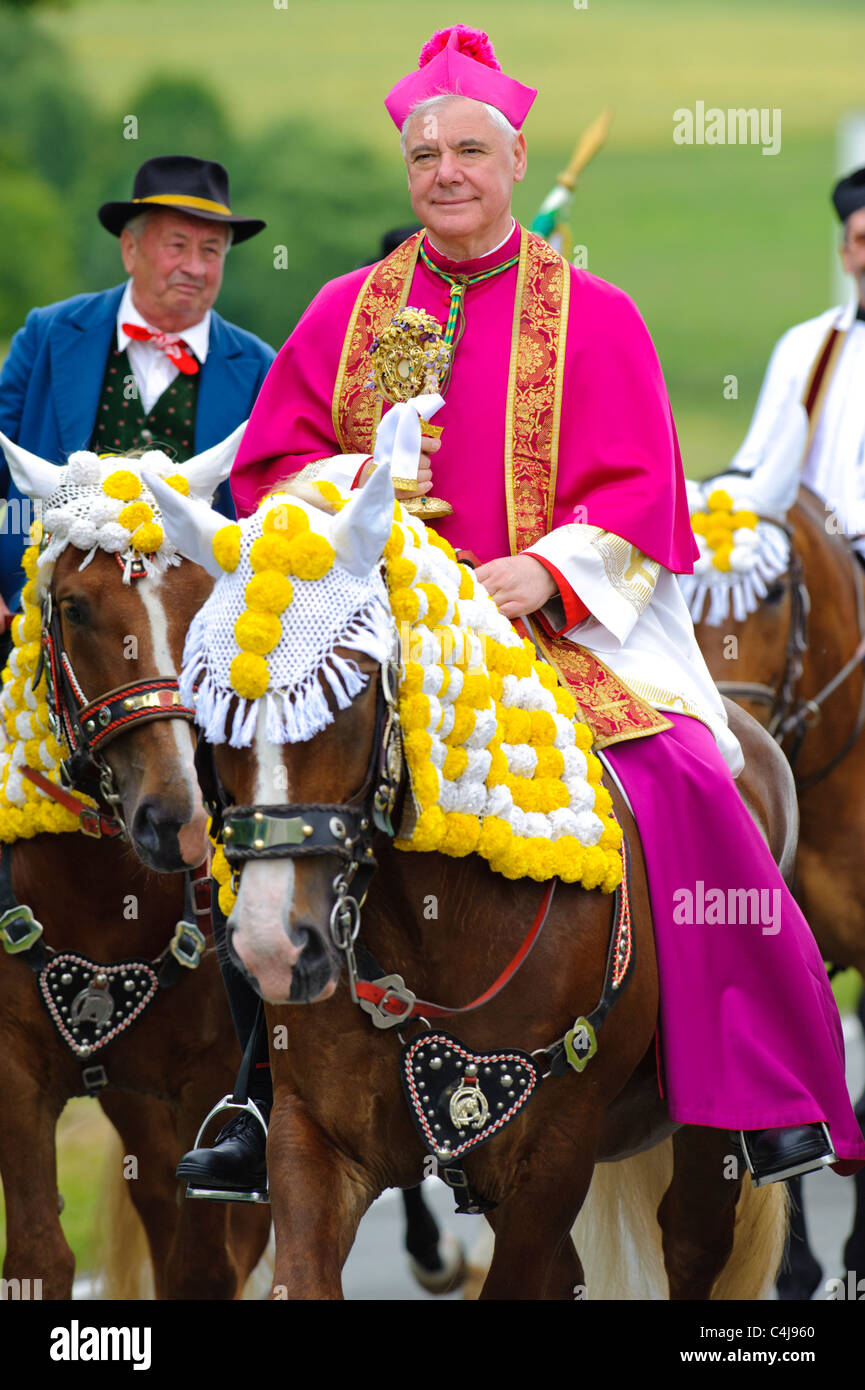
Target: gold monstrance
{"x":410,"y":358}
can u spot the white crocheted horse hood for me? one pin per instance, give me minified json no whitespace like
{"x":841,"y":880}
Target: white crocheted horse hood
{"x":103,"y":503}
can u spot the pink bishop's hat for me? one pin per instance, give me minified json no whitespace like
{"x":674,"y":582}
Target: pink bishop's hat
{"x":460,"y":62}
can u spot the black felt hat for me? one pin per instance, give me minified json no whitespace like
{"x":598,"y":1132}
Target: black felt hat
{"x":198,"y":187}
{"x":849,"y":194}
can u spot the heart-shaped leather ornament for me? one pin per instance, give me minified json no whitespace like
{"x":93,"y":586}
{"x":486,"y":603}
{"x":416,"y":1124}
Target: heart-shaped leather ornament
{"x":91,"y":1003}
{"x":459,"y":1098}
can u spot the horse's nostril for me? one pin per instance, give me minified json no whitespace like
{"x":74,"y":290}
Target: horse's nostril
{"x":156,"y":833}
{"x":311,"y":944}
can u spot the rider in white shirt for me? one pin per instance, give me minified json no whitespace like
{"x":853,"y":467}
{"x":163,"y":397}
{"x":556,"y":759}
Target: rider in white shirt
{"x":821,"y":363}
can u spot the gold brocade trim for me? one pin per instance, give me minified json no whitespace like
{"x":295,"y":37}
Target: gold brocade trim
{"x":355,"y":409}
{"x":533,"y":410}
{"x":557,"y":402}
{"x":613,"y":710}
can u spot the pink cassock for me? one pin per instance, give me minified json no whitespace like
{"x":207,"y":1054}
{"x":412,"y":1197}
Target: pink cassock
{"x":750,"y":1035}
{"x":619,"y":464}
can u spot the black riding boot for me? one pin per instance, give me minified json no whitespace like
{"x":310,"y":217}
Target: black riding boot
{"x":234,"y":1168}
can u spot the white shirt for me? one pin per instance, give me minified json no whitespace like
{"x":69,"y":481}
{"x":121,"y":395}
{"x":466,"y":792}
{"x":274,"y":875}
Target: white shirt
{"x":835,"y":463}
{"x":154,"y":371}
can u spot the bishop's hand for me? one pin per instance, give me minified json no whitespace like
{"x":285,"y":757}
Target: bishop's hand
{"x":428,"y":445}
{"x":517,"y":584}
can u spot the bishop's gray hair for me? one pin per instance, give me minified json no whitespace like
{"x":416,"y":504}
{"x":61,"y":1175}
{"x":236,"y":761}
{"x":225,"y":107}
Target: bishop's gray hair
{"x":431,"y":104}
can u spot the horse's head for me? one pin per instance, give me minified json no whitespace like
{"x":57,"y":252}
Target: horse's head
{"x":115,"y":603}
{"x":286,"y":671}
{"x":746,"y":594}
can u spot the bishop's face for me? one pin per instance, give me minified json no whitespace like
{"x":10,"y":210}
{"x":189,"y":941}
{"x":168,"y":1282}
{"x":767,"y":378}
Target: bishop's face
{"x":461,"y":171}
{"x":853,"y":250}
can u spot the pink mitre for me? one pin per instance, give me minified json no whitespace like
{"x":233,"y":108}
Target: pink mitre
{"x":460,"y":62}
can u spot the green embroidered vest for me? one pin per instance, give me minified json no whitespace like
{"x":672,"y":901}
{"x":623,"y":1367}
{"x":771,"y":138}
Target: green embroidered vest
{"x":121,"y":423}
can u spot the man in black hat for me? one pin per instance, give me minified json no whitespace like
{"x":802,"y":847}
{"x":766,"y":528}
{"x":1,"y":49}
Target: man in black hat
{"x":821,"y":363}
{"x":148,"y":364}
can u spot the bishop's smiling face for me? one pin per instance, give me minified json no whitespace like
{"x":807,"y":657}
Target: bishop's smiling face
{"x":461,"y":171}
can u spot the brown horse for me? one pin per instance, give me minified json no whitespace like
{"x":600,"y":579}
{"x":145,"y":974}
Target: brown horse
{"x":111,"y":900}
{"x":796,"y":664}
{"x":340,"y":1130}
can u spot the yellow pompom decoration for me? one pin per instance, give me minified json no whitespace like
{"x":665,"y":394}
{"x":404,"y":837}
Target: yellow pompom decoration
{"x":286,"y":519}
{"x":179,"y":482}
{"x":426,"y":787}
{"x":135,"y":514}
{"x":148,"y":538}
{"x":455,"y":763}
{"x":257,"y":632}
{"x":311,"y":556}
{"x":437,"y":603}
{"x":226,"y":547}
{"x":124,"y":485}
{"x":720,"y":501}
{"x":226,"y":898}
{"x":271,"y":552}
{"x":400,"y":573}
{"x":331,"y":493}
{"x":268,"y":592}
{"x":404,"y":605}
{"x":249,"y":676}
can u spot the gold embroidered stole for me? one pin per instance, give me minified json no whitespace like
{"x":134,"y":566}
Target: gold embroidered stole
{"x":356,"y":410}
{"x":533,"y":415}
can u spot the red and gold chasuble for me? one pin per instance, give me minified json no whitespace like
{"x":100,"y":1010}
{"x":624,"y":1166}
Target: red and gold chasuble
{"x":534,"y":403}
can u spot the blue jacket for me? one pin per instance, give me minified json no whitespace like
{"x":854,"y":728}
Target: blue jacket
{"x":51,"y":382}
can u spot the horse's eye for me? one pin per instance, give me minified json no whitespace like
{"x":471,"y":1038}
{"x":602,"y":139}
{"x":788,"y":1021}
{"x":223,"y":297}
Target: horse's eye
{"x":73,"y":613}
{"x":776,"y":593}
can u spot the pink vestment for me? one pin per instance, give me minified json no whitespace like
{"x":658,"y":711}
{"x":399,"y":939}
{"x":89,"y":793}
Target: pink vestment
{"x":619,"y":469}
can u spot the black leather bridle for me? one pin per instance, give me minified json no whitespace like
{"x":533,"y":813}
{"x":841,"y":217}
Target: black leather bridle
{"x":299,"y":830}
{"x":89,"y":726}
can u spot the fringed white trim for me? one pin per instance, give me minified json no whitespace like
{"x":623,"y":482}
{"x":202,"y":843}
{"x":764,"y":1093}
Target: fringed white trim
{"x":295,"y":715}
{"x":712,"y":596}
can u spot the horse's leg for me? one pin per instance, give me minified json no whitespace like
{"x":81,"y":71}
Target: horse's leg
{"x":146,"y":1130}
{"x":317,"y":1199}
{"x":698,"y":1211}
{"x":534,"y":1255}
{"x":36,"y":1247}
{"x":702,"y":1228}
{"x":188,"y":1240}
{"x":437,"y":1262}
{"x":800,"y":1273}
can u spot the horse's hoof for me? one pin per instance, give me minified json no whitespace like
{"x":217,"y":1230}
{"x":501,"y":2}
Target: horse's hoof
{"x":446,"y":1268}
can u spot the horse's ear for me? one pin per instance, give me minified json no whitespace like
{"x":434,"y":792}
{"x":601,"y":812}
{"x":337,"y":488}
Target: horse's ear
{"x":33,"y":476}
{"x":362,"y":528}
{"x":189,"y":522}
{"x":775,"y":481}
{"x":207,"y":470}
